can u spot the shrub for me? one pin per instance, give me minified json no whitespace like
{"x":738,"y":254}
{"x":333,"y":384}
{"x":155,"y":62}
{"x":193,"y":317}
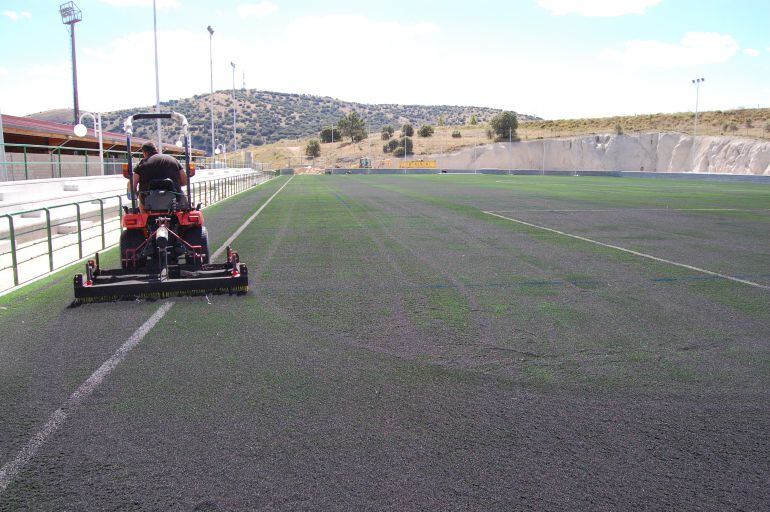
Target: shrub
{"x":619,"y":129}
{"x":767,"y":127}
{"x":504,"y":126}
{"x":405,"y":147}
{"x":456,"y":134}
{"x":390,"y":146}
{"x":407,"y":130}
{"x":330,"y":135}
{"x":425,"y":130}
{"x":313,"y":148}
{"x":473,"y":120}
{"x":387,"y":132}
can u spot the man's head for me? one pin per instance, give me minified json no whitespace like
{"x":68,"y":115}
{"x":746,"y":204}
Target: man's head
{"x":148,"y":149}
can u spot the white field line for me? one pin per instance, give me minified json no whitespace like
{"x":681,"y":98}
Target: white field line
{"x":248,"y":221}
{"x":635,"y":253}
{"x":10,"y":470}
{"x":636,"y":210}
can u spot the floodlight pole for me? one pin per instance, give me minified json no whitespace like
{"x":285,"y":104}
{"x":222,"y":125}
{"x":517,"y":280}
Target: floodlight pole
{"x":211,"y":97}
{"x":697,"y":82}
{"x":235,"y":139}
{"x":3,"y":170}
{"x":157,"y":79}
{"x":70,"y":15}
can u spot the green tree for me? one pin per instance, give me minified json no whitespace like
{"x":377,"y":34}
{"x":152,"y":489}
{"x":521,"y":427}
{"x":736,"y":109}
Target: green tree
{"x":387,"y":132}
{"x":405,"y":147}
{"x":504,"y":126}
{"x":441,"y":120}
{"x":353,"y":126}
{"x":330,"y":135}
{"x":425,"y":130}
{"x":313,"y":149}
{"x":407,"y":130}
{"x":473,"y":120}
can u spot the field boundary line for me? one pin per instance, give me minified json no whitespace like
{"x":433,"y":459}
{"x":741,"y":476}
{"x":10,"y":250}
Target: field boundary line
{"x":635,"y":253}
{"x":10,"y":470}
{"x":635,"y":210}
{"x":248,"y":221}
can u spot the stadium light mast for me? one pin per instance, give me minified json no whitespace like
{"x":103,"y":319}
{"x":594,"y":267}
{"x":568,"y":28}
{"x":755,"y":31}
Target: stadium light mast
{"x":211,"y":97}
{"x":70,"y":14}
{"x":235,"y":139}
{"x":697,"y":82}
{"x":157,"y":80}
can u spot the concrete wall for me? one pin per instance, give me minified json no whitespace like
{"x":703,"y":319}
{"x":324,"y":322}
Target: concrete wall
{"x":656,"y":152}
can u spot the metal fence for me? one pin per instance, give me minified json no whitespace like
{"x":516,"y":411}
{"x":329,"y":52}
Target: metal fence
{"x":30,"y":161}
{"x":66,"y":232}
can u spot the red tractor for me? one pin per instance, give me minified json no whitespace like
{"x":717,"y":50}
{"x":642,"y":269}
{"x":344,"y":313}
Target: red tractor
{"x":164,"y":248}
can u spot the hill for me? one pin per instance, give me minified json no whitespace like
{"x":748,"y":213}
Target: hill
{"x":264,"y":117}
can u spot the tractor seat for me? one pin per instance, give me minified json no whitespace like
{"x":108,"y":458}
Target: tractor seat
{"x":163,"y":184}
{"x":163,"y":195}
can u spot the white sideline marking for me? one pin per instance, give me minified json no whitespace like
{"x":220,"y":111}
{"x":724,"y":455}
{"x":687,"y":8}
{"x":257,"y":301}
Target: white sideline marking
{"x":248,"y":221}
{"x":638,"y":210}
{"x":635,"y":253}
{"x":9,"y":471}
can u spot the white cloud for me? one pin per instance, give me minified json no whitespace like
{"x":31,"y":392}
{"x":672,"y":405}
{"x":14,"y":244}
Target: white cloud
{"x":597,"y":8}
{"x":260,"y":9}
{"x":695,"y":49}
{"x":11,"y":15}
{"x":751,"y":52}
{"x":3,"y":72}
{"x":160,"y":4}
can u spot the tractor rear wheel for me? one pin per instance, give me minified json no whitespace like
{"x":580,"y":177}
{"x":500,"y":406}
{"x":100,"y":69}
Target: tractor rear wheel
{"x":130,"y":239}
{"x":199,"y":236}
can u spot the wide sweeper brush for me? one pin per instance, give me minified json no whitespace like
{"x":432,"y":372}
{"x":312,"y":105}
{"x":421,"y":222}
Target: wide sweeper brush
{"x":164,"y":249}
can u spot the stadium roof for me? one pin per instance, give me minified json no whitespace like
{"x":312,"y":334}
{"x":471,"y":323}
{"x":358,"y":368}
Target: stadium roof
{"x":36,"y":132}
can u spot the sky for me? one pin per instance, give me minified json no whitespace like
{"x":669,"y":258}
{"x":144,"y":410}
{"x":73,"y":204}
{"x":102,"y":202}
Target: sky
{"x":551,"y":58}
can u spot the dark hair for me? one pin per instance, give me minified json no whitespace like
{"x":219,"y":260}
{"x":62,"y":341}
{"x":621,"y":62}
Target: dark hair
{"x":149,"y":147}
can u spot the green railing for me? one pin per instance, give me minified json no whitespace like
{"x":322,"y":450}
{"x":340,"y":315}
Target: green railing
{"x":31,"y":161}
{"x":44,"y":243}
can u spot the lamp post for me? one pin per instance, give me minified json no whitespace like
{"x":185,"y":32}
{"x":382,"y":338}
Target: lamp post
{"x":697,"y":82}
{"x":157,"y":81}
{"x":235,"y":139}
{"x":211,"y":97}
{"x":81,"y":131}
{"x":221,"y":148}
{"x":70,"y":14}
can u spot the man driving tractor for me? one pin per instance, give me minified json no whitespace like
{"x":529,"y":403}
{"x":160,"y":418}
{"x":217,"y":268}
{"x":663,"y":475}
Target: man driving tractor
{"x":155,"y":166}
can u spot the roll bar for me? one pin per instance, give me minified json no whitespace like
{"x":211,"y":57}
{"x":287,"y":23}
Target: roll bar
{"x":128,"y":127}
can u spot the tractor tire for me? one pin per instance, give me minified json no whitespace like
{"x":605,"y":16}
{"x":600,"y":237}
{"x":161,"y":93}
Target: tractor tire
{"x":130,"y":239}
{"x":199,"y":236}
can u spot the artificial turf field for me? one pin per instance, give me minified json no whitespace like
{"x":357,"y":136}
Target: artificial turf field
{"x":402,"y":349}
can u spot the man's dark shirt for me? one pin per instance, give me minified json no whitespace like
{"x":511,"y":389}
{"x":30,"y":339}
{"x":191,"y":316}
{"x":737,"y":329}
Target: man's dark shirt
{"x":158,"y":167}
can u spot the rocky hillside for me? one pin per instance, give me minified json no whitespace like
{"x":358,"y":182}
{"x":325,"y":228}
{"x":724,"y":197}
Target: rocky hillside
{"x":264,"y":117}
{"x":657,"y":152}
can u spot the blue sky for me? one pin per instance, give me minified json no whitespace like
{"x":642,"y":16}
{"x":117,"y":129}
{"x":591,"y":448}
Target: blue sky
{"x":552,"y":58}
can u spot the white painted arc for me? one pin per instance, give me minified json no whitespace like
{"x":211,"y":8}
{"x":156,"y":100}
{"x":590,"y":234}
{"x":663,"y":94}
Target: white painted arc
{"x":9,"y":471}
{"x":248,"y":221}
{"x":635,"y":253}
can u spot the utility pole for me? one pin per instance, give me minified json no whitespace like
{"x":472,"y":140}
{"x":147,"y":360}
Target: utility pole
{"x":211,"y":96}
{"x":235,"y":139}
{"x":697,"y":82}
{"x":70,"y":14}
{"x":157,"y":80}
